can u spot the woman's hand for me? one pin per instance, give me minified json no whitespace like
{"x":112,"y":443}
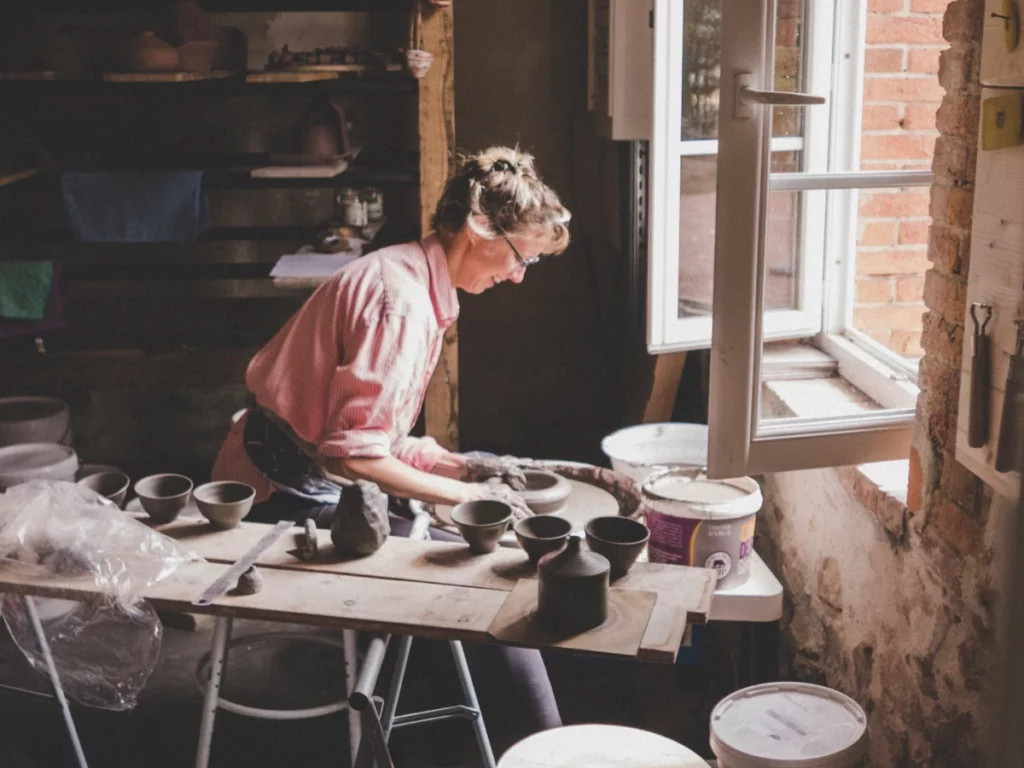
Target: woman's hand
{"x":495,"y":490}
{"x":508,"y":469}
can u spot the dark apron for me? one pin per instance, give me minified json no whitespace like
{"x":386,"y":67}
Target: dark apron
{"x":287,"y":466}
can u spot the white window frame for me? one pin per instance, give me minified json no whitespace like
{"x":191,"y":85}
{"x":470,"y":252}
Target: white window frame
{"x":738,"y":442}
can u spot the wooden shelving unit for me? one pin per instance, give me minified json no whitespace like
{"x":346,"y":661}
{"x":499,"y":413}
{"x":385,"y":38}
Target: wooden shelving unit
{"x":11,"y":178}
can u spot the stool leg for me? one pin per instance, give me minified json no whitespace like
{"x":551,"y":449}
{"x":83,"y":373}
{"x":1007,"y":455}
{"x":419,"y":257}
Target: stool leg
{"x":469,"y":692}
{"x":351,"y":674}
{"x":58,"y":689}
{"x":218,"y":657}
{"x":395,"y":689}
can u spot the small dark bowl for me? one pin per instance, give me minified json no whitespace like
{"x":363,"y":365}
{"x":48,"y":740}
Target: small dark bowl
{"x":164,"y":496}
{"x":482,"y":523}
{"x":540,"y":535}
{"x":619,"y":539}
{"x":109,"y":485}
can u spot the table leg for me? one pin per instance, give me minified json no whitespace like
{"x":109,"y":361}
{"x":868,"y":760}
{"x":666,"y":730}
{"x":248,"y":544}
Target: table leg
{"x":351,"y":673}
{"x":469,"y":692}
{"x":395,"y":689}
{"x":58,"y":689}
{"x":221,"y":636}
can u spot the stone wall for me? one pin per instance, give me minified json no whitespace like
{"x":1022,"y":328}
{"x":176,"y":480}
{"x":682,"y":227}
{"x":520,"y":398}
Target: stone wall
{"x":892,"y":603}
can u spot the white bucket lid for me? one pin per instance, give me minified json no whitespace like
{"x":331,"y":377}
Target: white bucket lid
{"x":662,"y":488}
{"x":789,"y":725}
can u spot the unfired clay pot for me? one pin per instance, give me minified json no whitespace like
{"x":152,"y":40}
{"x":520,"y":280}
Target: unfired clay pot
{"x":545,"y":492}
{"x":148,"y":53}
{"x":540,"y":535}
{"x":109,"y":485}
{"x":573,"y":591}
{"x":224,"y":503}
{"x":619,"y":539}
{"x":482,"y":523}
{"x":163,"y":496}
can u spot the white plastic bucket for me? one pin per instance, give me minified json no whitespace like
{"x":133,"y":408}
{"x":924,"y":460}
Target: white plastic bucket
{"x":31,"y":419}
{"x":36,"y":461}
{"x":789,"y":725}
{"x":638,"y":451}
{"x":701,"y":522}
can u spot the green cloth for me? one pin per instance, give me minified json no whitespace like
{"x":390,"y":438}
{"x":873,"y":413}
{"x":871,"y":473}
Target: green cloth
{"x":25,"y":289}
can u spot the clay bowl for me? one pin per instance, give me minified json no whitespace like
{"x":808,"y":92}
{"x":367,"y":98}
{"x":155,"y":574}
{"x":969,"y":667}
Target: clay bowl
{"x":225,"y":503}
{"x":545,"y":492}
{"x":109,"y":485}
{"x":163,"y":496}
{"x":619,"y":539}
{"x":540,"y":535}
{"x":482,"y":523}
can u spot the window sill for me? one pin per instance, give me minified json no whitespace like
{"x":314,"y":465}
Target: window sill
{"x":880,"y":486}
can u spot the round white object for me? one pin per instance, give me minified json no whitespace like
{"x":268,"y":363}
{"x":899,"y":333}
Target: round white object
{"x":599,"y":746}
{"x":691,"y":494}
{"x":637,"y":451}
{"x":34,"y":420}
{"x":36,"y":461}
{"x":789,"y":725}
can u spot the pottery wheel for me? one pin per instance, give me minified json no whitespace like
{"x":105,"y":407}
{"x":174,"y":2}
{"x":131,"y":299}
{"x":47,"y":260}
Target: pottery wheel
{"x":584,"y":503}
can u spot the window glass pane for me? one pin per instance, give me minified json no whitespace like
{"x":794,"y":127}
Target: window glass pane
{"x":702,"y":53}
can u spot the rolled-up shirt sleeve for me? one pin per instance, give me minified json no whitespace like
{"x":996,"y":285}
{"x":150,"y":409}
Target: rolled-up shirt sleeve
{"x":372,"y":384}
{"x":420,"y":452}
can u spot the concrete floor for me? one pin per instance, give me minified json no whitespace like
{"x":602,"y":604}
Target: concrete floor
{"x":162,"y":730}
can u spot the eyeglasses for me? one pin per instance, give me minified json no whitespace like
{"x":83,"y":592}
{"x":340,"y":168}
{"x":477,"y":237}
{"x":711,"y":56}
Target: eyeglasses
{"x":523,"y":263}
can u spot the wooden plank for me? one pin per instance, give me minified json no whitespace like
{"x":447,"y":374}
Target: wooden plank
{"x":42,"y":76}
{"x":668,"y":369}
{"x":620,"y":635}
{"x":328,"y":600}
{"x":289,"y":77}
{"x":999,"y":67}
{"x":165,"y":77}
{"x":437,"y":153}
{"x":996,"y":277}
{"x":11,"y":178}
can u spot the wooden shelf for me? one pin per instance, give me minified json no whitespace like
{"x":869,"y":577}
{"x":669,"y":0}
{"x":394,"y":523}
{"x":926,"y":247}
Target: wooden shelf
{"x":11,"y":178}
{"x":164,"y":77}
{"x":356,"y":78}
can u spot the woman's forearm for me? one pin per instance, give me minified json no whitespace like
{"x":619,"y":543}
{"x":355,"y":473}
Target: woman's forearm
{"x":451,"y":465}
{"x":397,"y":478}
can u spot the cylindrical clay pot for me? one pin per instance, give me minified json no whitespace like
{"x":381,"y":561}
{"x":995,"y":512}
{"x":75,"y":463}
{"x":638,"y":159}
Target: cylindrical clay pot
{"x":573,"y":591}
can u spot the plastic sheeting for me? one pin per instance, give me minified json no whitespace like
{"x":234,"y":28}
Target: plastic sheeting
{"x":104,"y":649}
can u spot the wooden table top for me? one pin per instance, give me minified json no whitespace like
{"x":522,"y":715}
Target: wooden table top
{"x":420,"y":588}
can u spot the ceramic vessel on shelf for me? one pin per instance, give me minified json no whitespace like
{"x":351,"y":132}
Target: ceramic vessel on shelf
{"x":164,"y":496}
{"x":482,"y":523}
{"x":545,"y":492}
{"x":109,"y":485}
{"x":619,"y":539}
{"x":418,"y":62}
{"x":148,"y":53}
{"x":573,"y":591}
{"x":541,"y":535}
{"x":319,"y":133}
{"x":224,"y":503}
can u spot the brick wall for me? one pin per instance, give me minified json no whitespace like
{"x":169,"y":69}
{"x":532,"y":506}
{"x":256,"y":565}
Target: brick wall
{"x":901,"y":95}
{"x":897,"y":604}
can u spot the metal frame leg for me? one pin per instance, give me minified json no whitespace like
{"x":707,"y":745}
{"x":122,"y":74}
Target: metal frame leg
{"x":58,"y":689}
{"x":397,"y":678}
{"x":218,"y":657}
{"x":355,"y":730}
{"x":469,"y":692}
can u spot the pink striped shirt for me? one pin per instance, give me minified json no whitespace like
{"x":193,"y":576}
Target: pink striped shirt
{"x":348,"y":372}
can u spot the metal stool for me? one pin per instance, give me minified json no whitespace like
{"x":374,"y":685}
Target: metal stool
{"x":578,"y":745}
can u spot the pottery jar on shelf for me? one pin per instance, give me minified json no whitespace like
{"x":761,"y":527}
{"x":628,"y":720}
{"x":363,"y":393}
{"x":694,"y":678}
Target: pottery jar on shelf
{"x":148,"y":53}
{"x":573,"y":591}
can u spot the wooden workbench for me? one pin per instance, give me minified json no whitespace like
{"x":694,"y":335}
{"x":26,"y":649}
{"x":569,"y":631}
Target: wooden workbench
{"x":409,"y":587}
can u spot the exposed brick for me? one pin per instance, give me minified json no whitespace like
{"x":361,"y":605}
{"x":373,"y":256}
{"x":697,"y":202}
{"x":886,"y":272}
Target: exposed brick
{"x":878,"y":233}
{"x":942,"y":339}
{"x":956,"y":69}
{"x":884,"y":60}
{"x":906,"y":343}
{"x":901,"y":88}
{"x":947,"y":251}
{"x":959,"y":484}
{"x":873,"y":290}
{"x":952,"y":206}
{"x":945,"y":295}
{"x":787,"y":32}
{"x":962,"y":22}
{"x":924,"y":60}
{"x":886,"y":6}
{"x":913,"y":232}
{"x":955,"y":159}
{"x":894,"y":205}
{"x":910,"y":290}
{"x":789,"y":9}
{"x":908,"y":262}
{"x":887,"y":317}
{"x":902,"y":29}
{"x":953,"y":526}
{"x":880,"y":117}
{"x":915,"y":483}
{"x":958,"y":114}
{"x":898,"y":146}
{"x":928,"y":6}
{"x":919,"y":117}
{"x":830,"y":584}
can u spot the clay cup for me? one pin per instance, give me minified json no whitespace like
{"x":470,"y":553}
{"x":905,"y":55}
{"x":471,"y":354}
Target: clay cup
{"x":225,"y":503}
{"x":619,"y":539}
{"x":545,"y":492}
{"x":163,"y":496}
{"x":540,"y":535}
{"x":109,"y":485}
{"x":482,"y":523}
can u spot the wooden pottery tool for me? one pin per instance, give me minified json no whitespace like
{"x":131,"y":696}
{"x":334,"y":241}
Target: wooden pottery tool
{"x":977,"y":429}
{"x":229,"y":579}
{"x":1006,"y":450}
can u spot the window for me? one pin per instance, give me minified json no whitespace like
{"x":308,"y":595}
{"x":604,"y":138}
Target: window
{"x":790,"y":163}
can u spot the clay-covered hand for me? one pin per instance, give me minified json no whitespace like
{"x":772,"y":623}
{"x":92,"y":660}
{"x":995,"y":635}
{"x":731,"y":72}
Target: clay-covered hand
{"x":508,"y":469}
{"x":495,"y":489}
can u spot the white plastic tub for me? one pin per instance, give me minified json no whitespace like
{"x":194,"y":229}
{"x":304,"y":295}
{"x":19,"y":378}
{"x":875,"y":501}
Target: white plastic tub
{"x":36,"y":461}
{"x":637,"y":451}
{"x":789,"y":725}
{"x":34,"y":420}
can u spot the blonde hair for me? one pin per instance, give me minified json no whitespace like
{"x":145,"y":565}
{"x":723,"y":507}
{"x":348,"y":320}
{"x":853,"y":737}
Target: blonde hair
{"x":498,"y":192}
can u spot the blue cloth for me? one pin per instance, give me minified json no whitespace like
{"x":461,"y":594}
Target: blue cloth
{"x":25,"y":289}
{"x":135,"y":207}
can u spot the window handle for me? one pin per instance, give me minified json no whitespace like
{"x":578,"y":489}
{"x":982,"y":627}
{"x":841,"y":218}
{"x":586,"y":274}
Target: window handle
{"x":747,"y":96}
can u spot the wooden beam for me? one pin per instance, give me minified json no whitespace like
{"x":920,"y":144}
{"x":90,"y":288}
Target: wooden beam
{"x":437,"y":160}
{"x":668,"y":369}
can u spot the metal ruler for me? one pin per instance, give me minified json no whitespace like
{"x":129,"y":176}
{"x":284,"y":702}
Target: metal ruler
{"x":229,"y":578}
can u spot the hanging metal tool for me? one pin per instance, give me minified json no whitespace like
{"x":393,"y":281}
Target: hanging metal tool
{"x":1006,"y":451}
{"x":977,"y":426}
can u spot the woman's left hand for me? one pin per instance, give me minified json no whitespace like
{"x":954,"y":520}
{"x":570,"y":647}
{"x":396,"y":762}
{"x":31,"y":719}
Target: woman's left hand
{"x":496,"y":490}
{"x":508,"y":469}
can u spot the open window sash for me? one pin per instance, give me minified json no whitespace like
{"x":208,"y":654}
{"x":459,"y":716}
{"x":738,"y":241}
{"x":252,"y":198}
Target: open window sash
{"x":742,"y":441}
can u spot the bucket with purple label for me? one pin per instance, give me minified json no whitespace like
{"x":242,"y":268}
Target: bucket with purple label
{"x":701,"y":522}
